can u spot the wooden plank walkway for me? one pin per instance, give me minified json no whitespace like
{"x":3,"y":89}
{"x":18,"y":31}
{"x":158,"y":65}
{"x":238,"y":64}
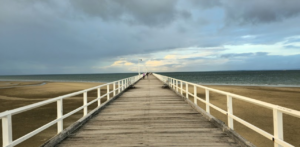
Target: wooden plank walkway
{"x":148,"y":116}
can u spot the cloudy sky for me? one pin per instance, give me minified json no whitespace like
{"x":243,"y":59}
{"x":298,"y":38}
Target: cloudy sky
{"x":106,"y":36}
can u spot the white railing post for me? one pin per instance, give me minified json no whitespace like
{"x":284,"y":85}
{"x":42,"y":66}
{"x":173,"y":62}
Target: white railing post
{"x":195,"y":94}
{"x":85,"y":109}
{"x":119,"y":86}
{"x":107,"y":92}
{"x":172,"y":82}
{"x":229,"y":112}
{"x":186,"y":90}
{"x":114,"y":85}
{"x":122,"y":85}
{"x":207,"y":100}
{"x":181,"y":87}
{"x":6,"y":130}
{"x":60,"y":126}
{"x":278,"y":126}
{"x":99,"y":95}
{"x":176,"y":85}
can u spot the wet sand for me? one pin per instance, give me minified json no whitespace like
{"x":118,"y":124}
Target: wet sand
{"x":259,"y":116}
{"x":11,"y":98}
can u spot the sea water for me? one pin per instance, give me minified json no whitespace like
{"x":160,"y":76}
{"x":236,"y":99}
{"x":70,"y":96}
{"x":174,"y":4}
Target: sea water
{"x":69,"y":77}
{"x":289,"y":78}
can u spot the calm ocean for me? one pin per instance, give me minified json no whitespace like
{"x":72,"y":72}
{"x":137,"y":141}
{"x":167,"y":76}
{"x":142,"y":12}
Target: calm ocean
{"x":289,"y":78}
{"x":70,"y":77}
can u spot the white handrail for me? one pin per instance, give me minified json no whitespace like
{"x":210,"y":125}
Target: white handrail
{"x":6,"y":116}
{"x":277,"y":137}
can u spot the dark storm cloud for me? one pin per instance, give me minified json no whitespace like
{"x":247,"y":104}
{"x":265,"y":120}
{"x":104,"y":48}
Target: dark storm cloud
{"x":269,"y":20}
{"x":149,"y":13}
{"x":253,"y":11}
{"x":72,"y":36}
{"x":206,"y":4}
{"x":260,"y":11}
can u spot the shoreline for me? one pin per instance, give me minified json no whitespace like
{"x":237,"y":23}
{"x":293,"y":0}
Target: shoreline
{"x":16,"y":85}
{"x":58,"y":81}
{"x":203,"y":84}
{"x":252,"y":85}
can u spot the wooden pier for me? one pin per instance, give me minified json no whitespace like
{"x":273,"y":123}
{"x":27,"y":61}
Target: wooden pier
{"x":149,"y":115}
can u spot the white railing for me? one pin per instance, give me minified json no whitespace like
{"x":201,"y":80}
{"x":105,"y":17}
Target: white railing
{"x":277,"y":137}
{"x":6,"y":116}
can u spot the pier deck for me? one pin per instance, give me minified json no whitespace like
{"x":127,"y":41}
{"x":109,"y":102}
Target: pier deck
{"x":148,"y":115}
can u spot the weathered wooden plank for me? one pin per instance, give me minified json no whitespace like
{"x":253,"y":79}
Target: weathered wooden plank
{"x":148,"y":116}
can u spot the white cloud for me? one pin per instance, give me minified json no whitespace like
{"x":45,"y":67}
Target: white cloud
{"x":248,"y":36}
{"x":170,"y":57}
{"x":278,"y":48}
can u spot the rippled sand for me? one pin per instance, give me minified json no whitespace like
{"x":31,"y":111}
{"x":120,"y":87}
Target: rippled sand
{"x":259,"y":116}
{"x":23,"y":93}
{"x":25,"y":122}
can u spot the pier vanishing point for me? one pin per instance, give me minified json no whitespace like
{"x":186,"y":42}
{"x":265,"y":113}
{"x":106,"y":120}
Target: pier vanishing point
{"x":155,"y":111}
{"x":149,"y":115}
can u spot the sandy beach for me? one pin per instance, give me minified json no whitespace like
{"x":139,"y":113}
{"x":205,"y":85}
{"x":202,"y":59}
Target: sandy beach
{"x":21,"y":94}
{"x":25,"y":93}
{"x":261,"y":117}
